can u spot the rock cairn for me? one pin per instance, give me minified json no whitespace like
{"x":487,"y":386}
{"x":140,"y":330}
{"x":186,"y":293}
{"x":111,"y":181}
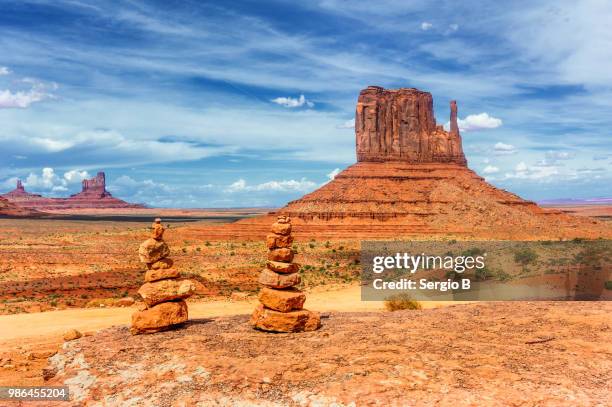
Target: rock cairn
{"x":281,"y":304}
{"x":164,"y":293}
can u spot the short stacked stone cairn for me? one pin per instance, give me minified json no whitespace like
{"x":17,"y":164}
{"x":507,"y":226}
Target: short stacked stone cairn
{"x":163,"y":292}
{"x":281,"y":304}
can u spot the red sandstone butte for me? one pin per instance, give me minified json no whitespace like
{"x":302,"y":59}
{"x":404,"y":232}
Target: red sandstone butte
{"x":411,"y":179}
{"x":399,"y":125}
{"x":92,"y":195}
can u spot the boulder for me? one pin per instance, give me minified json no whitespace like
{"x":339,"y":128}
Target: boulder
{"x":152,"y":250}
{"x":282,"y":300}
{"x":274,"y":241}
{"x":293,"y":321}
{"x":281,"y":228}
{"x":157,"y":230}
{"x":165,"y":263}
{"x":166,"y":290}
{"x":124,"y":302}
{"x":161,"y":274}
{"x":71,"y":335}
{"x":285,"y":254}
{"x":274,"y":280}
{"x":159,"y":318}
{"x":283,"y":268}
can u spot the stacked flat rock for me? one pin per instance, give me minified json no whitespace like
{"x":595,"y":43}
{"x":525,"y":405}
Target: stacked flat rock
{"x":164,"y":293}
{"x":281,"y":308}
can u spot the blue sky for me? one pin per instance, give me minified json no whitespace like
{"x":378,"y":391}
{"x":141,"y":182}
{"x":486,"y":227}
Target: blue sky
{"x":249,"y":103}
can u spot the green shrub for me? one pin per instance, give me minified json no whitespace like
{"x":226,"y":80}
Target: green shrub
{"x":608,"y":285}
{"x":525,"y":256}
{"x":401,"y":301}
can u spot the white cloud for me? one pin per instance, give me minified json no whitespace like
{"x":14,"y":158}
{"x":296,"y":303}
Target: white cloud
{"x":302,"y":185}
{"x":349,"y":124}
{"x":292,"y":102}
{"x":22,"y":99}
{"x":477,"y":122}
{"x":333,"y":174}
{"x":426,"y":25}
{"x":48,"y":180}
{"x":503,"y":149}
{"x":490,"y":169}
{"x":453,"y":27}
{"x":51,"y":145}
{"x":75,"y":176}
{"x":4,"y":70}
{"x":535,"y":172}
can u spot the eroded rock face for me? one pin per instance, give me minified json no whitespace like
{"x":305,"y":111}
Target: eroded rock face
{"x":399,"y":125}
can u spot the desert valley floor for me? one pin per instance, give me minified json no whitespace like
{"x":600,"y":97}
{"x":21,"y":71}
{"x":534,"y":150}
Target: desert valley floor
{"x":63,"y":273}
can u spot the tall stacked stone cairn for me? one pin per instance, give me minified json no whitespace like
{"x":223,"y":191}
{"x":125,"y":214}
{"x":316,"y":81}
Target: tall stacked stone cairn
{"x":281,"y":305}
{"x":164,"y":293}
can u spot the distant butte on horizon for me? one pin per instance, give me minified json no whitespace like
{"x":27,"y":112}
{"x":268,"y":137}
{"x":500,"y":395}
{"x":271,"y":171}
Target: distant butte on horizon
{"x":93,"y":195}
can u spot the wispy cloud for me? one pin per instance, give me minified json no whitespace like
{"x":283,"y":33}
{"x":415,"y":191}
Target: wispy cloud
{"x":302,"y":185}
{"x":37,"y":92}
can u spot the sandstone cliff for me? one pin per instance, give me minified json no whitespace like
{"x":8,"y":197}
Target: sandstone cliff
{"x":10,"y":209}
{"x":399,"y":125}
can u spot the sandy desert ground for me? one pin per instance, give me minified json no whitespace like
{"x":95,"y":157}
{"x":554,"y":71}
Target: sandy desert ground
{"x":485,"y":354}
{"x":55,"y":273}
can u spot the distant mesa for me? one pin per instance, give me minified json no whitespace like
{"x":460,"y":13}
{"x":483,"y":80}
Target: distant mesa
{"x":411,"y":178}
{"x":92,"y":196}
{"x":8,"y":208}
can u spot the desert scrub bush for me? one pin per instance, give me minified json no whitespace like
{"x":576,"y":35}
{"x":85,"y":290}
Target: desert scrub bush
{"x":608,"y":285}
{"x":401,"y":301}
{"x":525,"y":256}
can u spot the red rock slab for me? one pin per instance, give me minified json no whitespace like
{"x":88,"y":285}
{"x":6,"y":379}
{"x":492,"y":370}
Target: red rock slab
{"x":161,"y":274}
{"x":294,"y":321}
{"x":283,"y":268}
{"x":166,"y":290}
{"x":161,"y":264}
{"x":284,"y":255}
{"x":275,"y":280}
{"x":282,"y":300}
{"x":159,"y":318}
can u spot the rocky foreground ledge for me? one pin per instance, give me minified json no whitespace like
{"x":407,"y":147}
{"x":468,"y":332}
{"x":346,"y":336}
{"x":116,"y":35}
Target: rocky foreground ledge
{"x":549,"y":354}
